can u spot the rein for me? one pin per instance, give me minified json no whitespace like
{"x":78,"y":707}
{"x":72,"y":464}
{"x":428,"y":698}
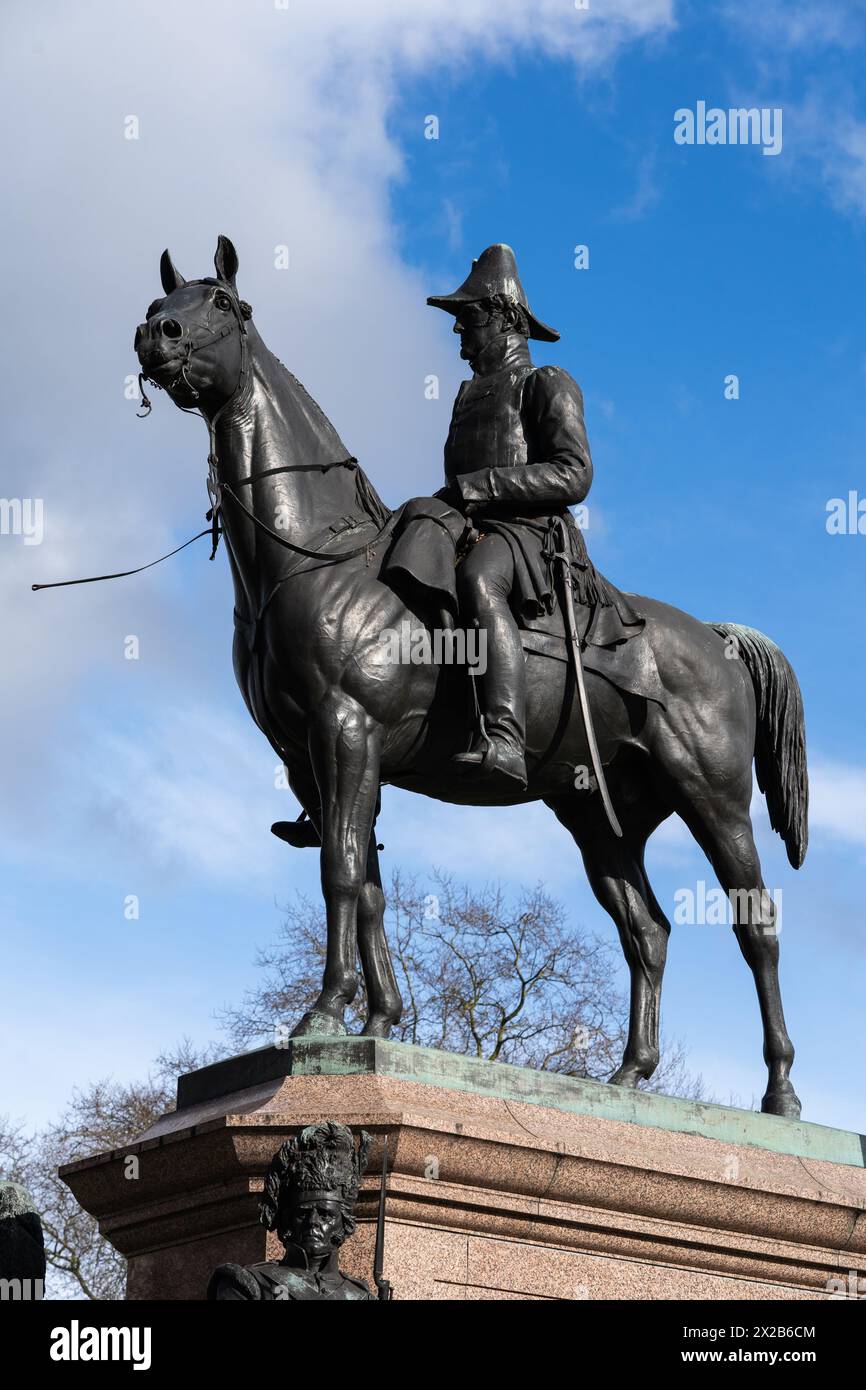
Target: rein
{"x":218,"y":490}
{"x":301,"y":550}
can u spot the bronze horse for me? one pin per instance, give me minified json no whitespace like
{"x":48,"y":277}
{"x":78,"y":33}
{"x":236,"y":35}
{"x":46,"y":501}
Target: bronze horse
{"x":305,"y":533}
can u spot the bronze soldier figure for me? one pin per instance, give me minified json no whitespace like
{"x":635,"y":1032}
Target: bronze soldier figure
{"x":516,"y":458}
{"x":310,"y":1192}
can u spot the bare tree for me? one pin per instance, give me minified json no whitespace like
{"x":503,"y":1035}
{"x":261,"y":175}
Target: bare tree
{"x":501,"y":980}
{"x":103,"y":1115}
{"x":480,"y":975}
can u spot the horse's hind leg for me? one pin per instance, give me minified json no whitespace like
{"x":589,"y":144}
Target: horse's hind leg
{"x":385,"y":1006}
{"x":616,"y":874}
{"x":724,"y":832}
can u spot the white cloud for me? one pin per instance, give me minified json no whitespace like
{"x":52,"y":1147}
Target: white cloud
{"x":825,"y":136}
{"x":796,"y":24}
{"x":190,"y":792}
{"x":270,"y":125}
{"x":837,"y":806}
{"x":840,"y":143}
{"x":646,"y":193}
{"x":481,"y":843}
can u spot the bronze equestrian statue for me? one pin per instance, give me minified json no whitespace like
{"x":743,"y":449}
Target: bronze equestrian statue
{"x":679,"y":708}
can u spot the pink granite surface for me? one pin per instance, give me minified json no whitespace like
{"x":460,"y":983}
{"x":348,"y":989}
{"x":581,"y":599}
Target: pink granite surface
{"x":489,"y":1199}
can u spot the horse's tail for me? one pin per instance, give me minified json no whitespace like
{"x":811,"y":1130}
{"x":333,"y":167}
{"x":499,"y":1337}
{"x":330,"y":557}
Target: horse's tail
{"x":780,"y":738}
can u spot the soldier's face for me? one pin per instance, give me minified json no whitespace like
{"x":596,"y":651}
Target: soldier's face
{"x":477,"y":327}
{"x":316,"y":1226}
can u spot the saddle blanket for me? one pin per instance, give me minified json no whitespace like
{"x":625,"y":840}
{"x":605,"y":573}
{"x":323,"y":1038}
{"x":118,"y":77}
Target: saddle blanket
{"x":421,"y":561}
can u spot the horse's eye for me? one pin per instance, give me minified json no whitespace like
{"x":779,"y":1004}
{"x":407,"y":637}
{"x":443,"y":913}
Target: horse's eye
{"x":222,"y":301}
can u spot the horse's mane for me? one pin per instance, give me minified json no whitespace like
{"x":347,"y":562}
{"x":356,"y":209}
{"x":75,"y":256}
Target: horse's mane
{"x":368,"y":498}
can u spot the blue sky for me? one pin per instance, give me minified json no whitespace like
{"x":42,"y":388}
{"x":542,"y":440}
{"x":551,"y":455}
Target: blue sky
{"x":307,"y":129}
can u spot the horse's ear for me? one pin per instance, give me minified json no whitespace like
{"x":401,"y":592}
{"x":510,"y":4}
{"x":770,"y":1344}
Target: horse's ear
{"x":171,"y":277}
{"x":226,"y":261}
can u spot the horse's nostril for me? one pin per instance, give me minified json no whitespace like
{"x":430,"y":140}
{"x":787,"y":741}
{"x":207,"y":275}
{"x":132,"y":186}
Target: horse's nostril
{"x":171,"y":328}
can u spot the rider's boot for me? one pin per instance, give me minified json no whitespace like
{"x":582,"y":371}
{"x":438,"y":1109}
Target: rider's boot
{"x":300,"y":834}
{"x":498,"y":752}
{"x":498,"y":761}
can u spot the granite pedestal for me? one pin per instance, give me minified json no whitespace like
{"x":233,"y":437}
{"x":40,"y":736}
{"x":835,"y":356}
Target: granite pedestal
{"x":505,"y":1183}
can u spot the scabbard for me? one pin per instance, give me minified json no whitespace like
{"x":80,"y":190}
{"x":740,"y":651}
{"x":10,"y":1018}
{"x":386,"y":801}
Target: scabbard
{"x":562,"y":557}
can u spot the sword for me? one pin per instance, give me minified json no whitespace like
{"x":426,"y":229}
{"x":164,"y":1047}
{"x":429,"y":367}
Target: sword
{"x":564,"y":559}
{"x":382,"y":1284}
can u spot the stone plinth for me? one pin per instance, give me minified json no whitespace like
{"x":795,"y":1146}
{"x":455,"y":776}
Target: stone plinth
{"x":505,"y":1183}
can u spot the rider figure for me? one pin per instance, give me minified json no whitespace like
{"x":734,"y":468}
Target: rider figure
{"x":516,"y":458}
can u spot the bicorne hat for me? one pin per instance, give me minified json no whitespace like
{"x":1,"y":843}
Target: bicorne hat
{"x":495,"y":272}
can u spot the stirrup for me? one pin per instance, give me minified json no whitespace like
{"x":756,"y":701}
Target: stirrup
{"x":496,"y":762}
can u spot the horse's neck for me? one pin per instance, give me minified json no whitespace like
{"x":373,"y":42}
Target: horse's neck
{"x":275,"y":424}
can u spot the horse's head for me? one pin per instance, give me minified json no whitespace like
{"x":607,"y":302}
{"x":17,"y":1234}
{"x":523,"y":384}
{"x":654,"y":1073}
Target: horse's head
{"x":191,"y":342}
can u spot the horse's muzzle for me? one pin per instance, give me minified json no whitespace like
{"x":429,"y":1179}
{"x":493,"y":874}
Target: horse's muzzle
{"x":159,"y":356}
{"x":158,"y":338}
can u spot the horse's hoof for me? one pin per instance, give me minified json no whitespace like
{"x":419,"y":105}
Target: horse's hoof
{"x":626,"y":1076}
{"x":377,"y":1026}
{"x":784,"y":1103}
{"x":315,"y":1023}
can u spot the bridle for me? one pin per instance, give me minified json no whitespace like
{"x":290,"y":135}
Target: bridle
{"x":241,"y":311}
{"x":218,"y":490}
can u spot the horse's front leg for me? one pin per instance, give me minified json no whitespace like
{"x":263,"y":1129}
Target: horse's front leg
{"x":344,"y":751}
{"x":385,"y":1007}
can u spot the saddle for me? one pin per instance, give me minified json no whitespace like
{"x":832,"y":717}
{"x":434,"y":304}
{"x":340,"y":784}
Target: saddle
{"x":420,"y":564}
